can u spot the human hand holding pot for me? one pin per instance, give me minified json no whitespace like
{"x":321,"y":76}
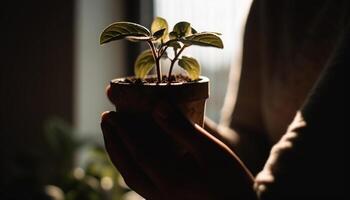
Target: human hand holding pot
{"x":163,"y":155}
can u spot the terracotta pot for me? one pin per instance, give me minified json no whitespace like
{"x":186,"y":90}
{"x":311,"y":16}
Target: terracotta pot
{"x":189,"y":97}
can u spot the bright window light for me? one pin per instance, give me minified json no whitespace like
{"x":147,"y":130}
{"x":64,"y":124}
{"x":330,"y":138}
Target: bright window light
{"x":225,"y":16}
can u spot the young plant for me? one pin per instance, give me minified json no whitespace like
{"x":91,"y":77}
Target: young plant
{"x":160,"y":40}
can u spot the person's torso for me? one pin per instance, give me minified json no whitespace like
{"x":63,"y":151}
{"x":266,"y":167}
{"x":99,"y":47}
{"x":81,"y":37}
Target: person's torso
{"x":297,"y":39}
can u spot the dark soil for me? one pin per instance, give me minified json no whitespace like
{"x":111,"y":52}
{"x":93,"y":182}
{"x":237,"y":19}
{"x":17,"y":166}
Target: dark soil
{"x":153,"y":79}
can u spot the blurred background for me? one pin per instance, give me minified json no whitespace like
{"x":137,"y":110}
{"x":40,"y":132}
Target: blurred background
{"x":52,"y":87}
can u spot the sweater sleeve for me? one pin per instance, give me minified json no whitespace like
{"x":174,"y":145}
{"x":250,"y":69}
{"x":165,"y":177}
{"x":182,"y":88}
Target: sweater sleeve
{"x":309,"y":160}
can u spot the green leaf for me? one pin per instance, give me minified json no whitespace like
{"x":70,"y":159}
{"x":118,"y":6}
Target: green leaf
{"x":138,"y":38}
{"x":144,"y":63}
{"x":204,"y":39}
{"x":159,"y":24}
{"x":193,"y":31}
{"x":159,"y":34}
{"x":191,"y":66}
{"x":121,"y":30}
{"x":173,"y":35}
{"x":182,"y":29}
{"x":215,"y":33}
{"x":174,"y":44}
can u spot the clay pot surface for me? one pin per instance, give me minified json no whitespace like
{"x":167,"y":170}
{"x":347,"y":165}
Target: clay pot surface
{"x":190,"y":97}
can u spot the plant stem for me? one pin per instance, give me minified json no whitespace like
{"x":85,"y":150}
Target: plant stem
{"x":156,"y":59}
{"x":161,"y":53}
{"x":173,"y":62}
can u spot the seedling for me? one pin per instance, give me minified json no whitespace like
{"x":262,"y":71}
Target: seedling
{"x":160,"y":40}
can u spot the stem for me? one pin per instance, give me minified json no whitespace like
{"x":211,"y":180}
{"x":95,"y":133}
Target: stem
{"x":173,"y":62}
{"x":156,"y":59}
{"x":162,"y":51}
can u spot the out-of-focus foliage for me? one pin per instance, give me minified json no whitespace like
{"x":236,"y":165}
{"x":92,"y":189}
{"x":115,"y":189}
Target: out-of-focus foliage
{"x":68,"y":168}
{"x":95,"y":178}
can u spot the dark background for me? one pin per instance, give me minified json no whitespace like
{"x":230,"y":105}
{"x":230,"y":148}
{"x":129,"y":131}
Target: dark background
{"x":36,"y":84}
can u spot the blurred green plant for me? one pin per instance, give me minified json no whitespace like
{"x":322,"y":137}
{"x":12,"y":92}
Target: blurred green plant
{"x":97,"y":179}
{"x":53,"y":171}
{"x":93,"y":179}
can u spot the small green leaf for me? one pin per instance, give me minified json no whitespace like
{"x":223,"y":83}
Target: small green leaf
{"x":182,"y":29}
{"x":159,"y":24}
{"x":144,"y":63}
{"x":204,"y":39}
{"x":173,"y":35}
{"x":191,"y":66}
{"x":159,"y":34}
{"x":121,"y":30}
{"x":174,"y":44}
{"x":193,"y":31}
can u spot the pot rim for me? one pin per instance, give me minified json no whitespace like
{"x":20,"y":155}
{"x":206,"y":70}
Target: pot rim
{"x":120,"y":81}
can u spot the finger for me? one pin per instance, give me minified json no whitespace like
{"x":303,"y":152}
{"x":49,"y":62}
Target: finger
{"x":131,"y":172}
{"x":154,"y":151}
{"x":179,"y":127}
{"x":210,"y":152}
{"x":109,"y":94}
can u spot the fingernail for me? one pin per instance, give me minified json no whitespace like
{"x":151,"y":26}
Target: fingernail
{"x":109,"y":93}
{"x":104,"y":115}
{"x":108,"y":117}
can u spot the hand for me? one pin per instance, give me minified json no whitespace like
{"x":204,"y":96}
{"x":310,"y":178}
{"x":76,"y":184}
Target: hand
{"x":162,"y":155}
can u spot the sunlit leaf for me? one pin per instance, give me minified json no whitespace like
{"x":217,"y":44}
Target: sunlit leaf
{"x":138,"y":38}
{"x":193,"y":31}
{"x":204,"y":39}
{"x":191,"y":66}
{"x":144,"y":63}
{"x":215,"y":33}
{"x":120,"y":30}
{"x":157,"y":25}
{"x":182,"y":29}
{"x":172,"y":35}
